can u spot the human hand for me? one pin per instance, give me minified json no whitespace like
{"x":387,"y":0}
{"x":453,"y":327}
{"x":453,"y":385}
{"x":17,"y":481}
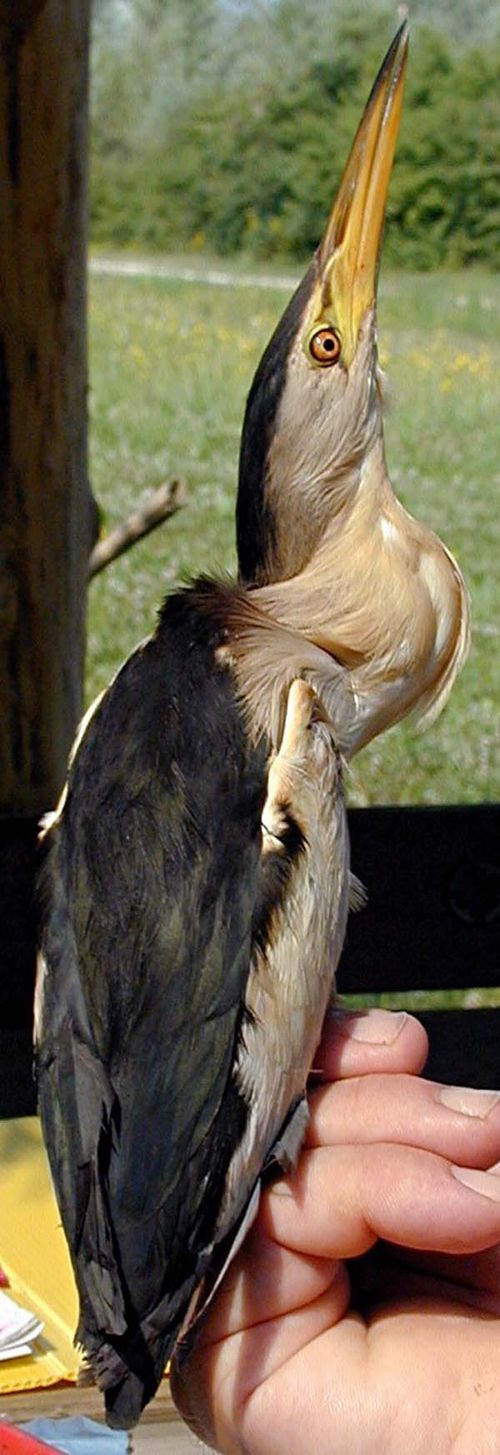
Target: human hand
{"x":307,"y":1352}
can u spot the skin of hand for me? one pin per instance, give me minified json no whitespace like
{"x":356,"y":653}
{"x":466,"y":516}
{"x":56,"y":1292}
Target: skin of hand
{"x":362,"y":1315}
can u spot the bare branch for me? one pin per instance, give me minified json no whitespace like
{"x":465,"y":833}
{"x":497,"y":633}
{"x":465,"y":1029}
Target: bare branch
{"x":157,"y":507}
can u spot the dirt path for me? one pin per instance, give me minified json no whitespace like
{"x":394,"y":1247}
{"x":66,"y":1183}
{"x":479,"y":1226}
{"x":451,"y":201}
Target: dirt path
{"x":169,"y":268}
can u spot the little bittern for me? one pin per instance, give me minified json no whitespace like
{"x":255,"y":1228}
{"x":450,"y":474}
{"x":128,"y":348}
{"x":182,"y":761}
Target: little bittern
{"x":196,"y":879}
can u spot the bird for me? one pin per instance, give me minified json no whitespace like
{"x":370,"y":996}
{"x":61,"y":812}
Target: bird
{"x":195,"y":879}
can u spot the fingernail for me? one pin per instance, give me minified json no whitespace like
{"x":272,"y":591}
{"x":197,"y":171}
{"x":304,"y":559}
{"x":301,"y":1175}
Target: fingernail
{"x":469,"y":1100}
{"x":381,"y":1027}
{"x":280,"y":1188}
{"x":487,"y":1183}
{"x":495,"y":1169}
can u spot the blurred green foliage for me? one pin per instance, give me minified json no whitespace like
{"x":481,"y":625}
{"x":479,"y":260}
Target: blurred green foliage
{"x":224,"y":125}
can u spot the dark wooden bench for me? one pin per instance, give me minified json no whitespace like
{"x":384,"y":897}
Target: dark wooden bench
{"x":432,"y":924}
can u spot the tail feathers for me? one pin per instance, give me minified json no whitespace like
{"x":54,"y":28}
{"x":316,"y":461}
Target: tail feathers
{"x":125,"y":1402}
{"x":128,"y":1368}
{"x":129,"y":1377}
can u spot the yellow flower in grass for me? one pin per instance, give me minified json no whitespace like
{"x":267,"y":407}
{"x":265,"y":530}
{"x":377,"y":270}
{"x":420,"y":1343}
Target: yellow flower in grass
{"x":478,"y":366}
{"x":140,"y":357}
{"x":421,"y":360}
{"x":460,"y":362}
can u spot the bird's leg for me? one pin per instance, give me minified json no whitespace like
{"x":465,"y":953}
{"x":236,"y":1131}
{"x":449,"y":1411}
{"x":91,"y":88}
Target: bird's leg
{"x":303,"y":819}
{"x":289,"y":760}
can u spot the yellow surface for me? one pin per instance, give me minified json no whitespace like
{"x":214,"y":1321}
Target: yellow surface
{"x":34,"y":1256}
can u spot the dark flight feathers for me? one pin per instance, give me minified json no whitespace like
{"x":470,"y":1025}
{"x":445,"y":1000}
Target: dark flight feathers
{"x":152,"y":884}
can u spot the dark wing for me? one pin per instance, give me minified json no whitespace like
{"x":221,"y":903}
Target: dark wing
{"x":151,"y":882}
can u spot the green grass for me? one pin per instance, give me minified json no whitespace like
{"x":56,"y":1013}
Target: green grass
{"x":171,"y":364}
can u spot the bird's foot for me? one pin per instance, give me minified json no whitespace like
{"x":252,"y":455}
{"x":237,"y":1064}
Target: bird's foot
{"x":287,"y":769}
{"x":299,"y":712}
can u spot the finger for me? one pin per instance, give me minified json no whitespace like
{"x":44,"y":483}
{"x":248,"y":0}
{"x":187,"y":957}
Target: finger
{"x":457,"y":1122}
{"x":267,"y":1281}
{"x":341,"y":1199}
{"x":213,"y":1386}
{"x":272,"y":1301}
{"x":426,"y":1379}
{"x":358,"y":1043}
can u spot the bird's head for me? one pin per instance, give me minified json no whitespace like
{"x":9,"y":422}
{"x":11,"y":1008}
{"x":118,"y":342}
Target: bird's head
{"x":314,"y":409}
{"x":319,"y":529}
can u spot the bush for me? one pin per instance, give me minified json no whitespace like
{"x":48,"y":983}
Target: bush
{"x":245,"y":149}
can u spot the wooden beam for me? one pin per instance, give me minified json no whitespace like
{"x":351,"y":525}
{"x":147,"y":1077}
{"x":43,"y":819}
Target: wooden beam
{"x":48,"y":518}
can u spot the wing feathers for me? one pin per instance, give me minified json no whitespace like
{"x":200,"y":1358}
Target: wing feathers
{"x":150,"y":879}
{"x":158,"y":903}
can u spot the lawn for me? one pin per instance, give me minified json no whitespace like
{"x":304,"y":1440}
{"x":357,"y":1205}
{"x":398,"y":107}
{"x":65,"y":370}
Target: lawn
{"x":171,"y":363}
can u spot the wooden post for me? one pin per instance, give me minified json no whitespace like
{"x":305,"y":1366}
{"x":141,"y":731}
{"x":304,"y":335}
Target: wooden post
{"x":47,"y":515}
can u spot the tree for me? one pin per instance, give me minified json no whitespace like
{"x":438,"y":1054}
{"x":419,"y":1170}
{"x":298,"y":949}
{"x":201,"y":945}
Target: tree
{"x":48,"y":516}
{"x":224,"y":123}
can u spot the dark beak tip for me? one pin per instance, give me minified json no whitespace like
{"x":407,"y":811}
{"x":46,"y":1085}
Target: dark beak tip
{"x":402,"y":37}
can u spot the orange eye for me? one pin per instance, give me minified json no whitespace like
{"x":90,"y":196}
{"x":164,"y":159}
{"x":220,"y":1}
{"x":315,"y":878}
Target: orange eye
{"x":325,"y":346}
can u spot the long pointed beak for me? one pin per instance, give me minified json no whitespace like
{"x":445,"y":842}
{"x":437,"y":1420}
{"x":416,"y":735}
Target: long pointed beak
{"x":349,"y":252}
